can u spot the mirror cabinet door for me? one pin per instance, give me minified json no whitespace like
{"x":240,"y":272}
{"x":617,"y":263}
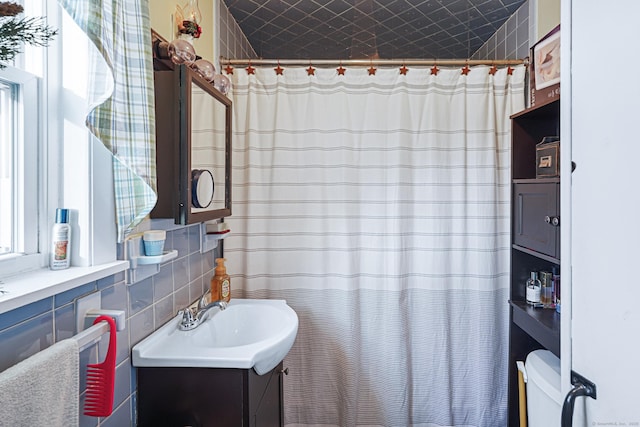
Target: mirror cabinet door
{"x":205,"y":150}
{"x":193,"y":141}
{"x":208,"y":152}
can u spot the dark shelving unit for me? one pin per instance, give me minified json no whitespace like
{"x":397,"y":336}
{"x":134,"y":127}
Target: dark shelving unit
{"x":534,"y":247}
{"x":543,"y":325}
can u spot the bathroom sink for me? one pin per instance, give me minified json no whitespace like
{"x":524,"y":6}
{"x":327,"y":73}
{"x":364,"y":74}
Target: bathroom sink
{"x":250,"y":333}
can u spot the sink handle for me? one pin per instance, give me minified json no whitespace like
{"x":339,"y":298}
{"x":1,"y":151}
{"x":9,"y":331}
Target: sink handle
{"x":203,"y":300}
{"x":189,"y":320}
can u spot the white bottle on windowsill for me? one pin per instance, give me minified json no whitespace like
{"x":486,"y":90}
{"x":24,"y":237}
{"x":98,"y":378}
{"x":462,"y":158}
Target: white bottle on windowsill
{"x":60,"y":257}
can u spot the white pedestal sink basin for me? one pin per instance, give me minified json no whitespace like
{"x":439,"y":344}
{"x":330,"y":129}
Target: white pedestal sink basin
{"x":250,"y":333}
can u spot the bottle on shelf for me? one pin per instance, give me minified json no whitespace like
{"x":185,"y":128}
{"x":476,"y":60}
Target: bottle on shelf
{"x":546,"y":292}
{"x":556,"y":288}
{"x":533,"y":289}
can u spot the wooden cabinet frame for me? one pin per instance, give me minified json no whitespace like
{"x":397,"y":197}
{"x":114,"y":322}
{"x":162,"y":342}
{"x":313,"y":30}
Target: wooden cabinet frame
{"x":174,"y":85}
{"x":535,"y":244}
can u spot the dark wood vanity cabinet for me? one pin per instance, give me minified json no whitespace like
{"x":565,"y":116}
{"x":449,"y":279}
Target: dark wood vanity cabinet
{"x":205,"y":397}
{"x":535,"y":241}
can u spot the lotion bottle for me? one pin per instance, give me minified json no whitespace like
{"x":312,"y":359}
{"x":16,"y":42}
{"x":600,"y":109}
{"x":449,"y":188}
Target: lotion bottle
{"x":60,"y":257}
{"x":220,"y":282}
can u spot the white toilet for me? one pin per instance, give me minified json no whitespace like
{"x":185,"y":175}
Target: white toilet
{"x":544,"y":392}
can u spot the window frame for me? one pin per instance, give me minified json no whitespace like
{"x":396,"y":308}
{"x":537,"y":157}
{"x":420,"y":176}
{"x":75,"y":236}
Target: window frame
{"x":74,"y":168}
{"x":27,"y":98}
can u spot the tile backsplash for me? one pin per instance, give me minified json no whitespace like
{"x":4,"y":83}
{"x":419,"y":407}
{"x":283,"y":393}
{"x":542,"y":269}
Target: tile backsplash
{"x":148,"y":305}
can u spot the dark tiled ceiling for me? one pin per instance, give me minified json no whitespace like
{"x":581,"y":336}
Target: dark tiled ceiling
{"x":390,"y":29}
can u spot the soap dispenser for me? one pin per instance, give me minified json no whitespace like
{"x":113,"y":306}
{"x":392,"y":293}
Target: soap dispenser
{"x":220,"y":283}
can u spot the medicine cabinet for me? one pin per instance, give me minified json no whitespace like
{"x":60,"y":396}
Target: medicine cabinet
{"x":193,"y":145}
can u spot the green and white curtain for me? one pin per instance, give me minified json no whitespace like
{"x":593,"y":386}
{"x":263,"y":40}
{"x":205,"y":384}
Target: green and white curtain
{"x":122,"y":92}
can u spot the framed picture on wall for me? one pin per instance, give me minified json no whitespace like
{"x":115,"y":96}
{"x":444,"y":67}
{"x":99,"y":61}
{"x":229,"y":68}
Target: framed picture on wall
{"x":545,"y":68}
{"x":546,"y":60}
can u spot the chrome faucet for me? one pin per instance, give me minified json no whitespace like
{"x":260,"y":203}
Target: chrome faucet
{"x":192,"y":317}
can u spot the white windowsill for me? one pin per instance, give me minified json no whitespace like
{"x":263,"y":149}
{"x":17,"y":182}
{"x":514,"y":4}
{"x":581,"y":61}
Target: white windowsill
{"x":33,"y":286}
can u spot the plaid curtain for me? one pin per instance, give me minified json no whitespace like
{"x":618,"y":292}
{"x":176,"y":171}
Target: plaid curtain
{"x":122,"y":85}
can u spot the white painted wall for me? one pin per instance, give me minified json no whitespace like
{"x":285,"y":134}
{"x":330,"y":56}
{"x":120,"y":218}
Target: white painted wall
{"x":162,"y":11}
{"x":600,"y":204}
{"x":548,"y":16}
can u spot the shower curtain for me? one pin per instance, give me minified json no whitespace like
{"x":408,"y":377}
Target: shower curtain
{"x":378,"y":207}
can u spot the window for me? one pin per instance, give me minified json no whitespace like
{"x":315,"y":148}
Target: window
{"x":19,"y":170}
{"x":22,"y":167}
{"x":47,"y":157}
{"x":7,"y":129}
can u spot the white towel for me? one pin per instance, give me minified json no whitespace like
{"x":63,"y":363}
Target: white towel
{"x":43,"y":389}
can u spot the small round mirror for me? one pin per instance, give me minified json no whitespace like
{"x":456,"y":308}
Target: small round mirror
{"x":202,"y":187}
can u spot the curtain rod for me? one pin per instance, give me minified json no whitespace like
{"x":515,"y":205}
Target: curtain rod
{"x":368,"y":62}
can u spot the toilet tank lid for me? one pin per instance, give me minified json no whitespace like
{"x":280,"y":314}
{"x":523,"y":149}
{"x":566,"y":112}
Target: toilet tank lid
{"x":543,"y":369}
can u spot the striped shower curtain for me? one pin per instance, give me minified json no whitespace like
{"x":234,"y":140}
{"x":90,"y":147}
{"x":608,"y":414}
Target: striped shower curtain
{"x":378,"y":207}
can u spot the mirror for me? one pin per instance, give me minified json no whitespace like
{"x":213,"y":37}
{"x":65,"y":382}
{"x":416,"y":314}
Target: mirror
{"x":202,"y":187}
{"x":193,"y":146}
{"x":205,"y":143}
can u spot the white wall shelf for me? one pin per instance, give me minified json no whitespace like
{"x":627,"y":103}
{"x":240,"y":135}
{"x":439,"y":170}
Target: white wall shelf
{"x":211,"y":234}
{"x":143,"y":266}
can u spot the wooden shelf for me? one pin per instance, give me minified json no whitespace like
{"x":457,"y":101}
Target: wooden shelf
{"x":542,"y":324}
{"x":528,"y":128}
{"x":536,"y":254}
{"x":550,"y":109}
{"x":536,"y":181}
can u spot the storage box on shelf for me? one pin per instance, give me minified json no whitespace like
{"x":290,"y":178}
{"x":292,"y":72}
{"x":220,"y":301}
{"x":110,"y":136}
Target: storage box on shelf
{"x":535,"y":239}
{"x":548,"y":158}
